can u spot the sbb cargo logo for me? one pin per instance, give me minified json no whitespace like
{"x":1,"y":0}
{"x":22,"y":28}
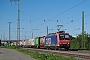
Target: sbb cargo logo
{"x":48,"y":40}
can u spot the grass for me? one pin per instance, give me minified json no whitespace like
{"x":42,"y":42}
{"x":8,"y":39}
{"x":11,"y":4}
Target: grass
{"x":36,"y":55}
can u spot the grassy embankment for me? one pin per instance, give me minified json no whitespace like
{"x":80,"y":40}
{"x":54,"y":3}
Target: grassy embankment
{"x":39,"y":56}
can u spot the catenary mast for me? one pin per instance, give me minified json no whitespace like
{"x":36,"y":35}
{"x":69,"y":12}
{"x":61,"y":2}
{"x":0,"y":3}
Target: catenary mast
{"x":18,"y":21}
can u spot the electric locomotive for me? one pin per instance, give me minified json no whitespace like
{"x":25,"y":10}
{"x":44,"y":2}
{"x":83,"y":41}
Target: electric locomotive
{"x":57,"y":40}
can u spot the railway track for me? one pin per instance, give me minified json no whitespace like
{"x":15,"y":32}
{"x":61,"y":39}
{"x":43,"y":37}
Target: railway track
{"x":78,"y":54}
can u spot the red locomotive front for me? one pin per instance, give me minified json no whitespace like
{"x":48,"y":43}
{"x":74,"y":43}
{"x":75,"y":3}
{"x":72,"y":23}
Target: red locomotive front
{"x":63,"y":39}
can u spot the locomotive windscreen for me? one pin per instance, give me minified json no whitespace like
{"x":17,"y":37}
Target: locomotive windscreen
{"x":64,"y":37}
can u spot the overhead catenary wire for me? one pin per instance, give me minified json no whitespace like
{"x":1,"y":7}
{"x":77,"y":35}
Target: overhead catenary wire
{"x":46,"y":13}
{"x":61,"y":13}
{"x":47,"y":21}
{"x":64,"y":12}
{"x":69,"y":9}
{"x":71,"y":17}
{"x":29,"y":15}
{"x":55,"y":8}
{"x":43,"y":22}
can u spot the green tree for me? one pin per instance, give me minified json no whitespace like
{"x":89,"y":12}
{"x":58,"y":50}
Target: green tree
{"x":77,"y":42}
{"x":71,"y":37}
{"x":74,"y":44}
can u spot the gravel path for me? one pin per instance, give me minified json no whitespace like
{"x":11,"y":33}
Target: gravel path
{"x":8,"y":54}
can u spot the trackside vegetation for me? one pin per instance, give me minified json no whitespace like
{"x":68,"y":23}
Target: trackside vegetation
{"x":76,"y":42}
{"x":37,"y":56}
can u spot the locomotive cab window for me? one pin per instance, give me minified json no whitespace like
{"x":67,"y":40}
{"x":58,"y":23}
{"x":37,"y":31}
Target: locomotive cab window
{"x":64,"y":37}
{"x":61,"y":37}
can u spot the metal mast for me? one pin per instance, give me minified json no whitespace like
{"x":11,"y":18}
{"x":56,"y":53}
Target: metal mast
{"x":18,"y":22}
{"x":47,"y":30}
{"x":9,"y":32}
{"x":1,"y":37}
{"x":82,"y":29}
{"x":32,"y":35}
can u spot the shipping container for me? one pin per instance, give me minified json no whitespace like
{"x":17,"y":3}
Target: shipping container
{"x":42,"y":41}
{"x":31,"y":42}
{"x":26,"y":44}
{"x":23,"y":42}
{"x":13,"y":44}
{"x":37,"y":42}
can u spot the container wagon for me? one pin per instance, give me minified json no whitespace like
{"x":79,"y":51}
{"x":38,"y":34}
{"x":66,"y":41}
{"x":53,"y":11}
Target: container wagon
{"x":42,"y":40}
{"x":31,"y":43}
{"x":39,"y":42}
{"x":26,"y":44}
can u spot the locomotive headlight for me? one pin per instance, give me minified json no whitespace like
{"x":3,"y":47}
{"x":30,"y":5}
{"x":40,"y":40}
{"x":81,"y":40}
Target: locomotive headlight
{"x":68,"y":43}
{"x":60,"y":43}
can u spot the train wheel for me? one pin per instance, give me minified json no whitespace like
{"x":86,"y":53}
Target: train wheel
{"x":47,"y":48}
{"x":56,"y":48}
{"x":66,"y":48}
{"x":37,"y":47}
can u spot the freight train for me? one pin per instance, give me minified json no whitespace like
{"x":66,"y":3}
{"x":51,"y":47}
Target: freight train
{"x":56,"y":40}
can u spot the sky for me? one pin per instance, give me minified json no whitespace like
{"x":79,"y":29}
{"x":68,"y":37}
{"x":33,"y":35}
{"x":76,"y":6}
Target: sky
{"x":36,"y":15}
